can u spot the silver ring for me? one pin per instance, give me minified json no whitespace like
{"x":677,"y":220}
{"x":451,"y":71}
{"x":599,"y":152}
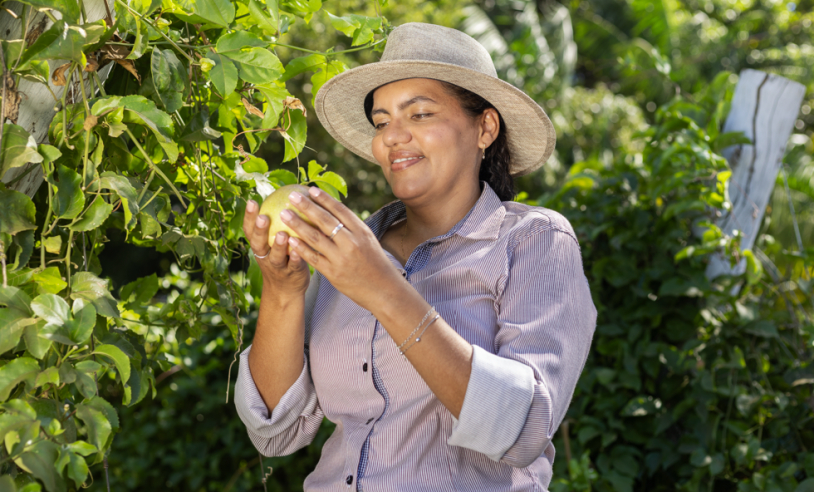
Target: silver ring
{"x":336,"y":229}
{"x":261,"y":257}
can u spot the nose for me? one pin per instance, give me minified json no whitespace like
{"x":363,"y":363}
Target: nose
{"x":395,"y":133}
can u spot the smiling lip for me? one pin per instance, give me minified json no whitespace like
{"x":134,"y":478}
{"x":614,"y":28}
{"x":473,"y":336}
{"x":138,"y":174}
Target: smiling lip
{"x":400,"y":162}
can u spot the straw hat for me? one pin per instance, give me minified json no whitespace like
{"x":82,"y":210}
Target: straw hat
{"x":417,"y":50}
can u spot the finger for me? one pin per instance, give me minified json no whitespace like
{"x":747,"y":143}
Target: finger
{"x":308,"y":233}
{"x":301,"y":249}
{"x":279,"y":250}
{"x":259,"y":240}
{"x":337,"y":209}
{"x":324,"y":221}
{"x":249,"y":217}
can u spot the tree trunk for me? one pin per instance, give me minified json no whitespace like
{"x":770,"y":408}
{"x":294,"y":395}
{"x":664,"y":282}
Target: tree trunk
{"x":38,"y":106}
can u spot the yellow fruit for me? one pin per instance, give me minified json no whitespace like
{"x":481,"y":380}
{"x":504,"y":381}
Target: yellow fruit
{"x":276,"y":203}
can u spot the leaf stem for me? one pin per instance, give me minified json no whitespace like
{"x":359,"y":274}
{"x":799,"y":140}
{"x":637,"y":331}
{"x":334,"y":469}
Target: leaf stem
{"x":65,"y":108}
{"x":68,"y":260}
{"x":146,"y":186}
{"x":3,"y":262}
{"x":153,"y":166}
{"x":150,"y":23}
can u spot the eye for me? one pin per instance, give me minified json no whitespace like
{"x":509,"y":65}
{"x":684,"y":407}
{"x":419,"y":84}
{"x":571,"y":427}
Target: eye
{"x":379,"y":126}
{"x":422,"y":116}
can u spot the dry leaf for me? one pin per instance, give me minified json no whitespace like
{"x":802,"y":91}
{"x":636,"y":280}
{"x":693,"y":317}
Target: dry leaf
{"x":251,"y":109}
{"x":35,"y":32}
{"x":93,"y":64}
{"x":11,"y":107}
{"x":90,"y":122}
{"x":130,"y":67}
{"x":58,"y":77}
{"x":114,"y":52}
{"x":294,"y":103}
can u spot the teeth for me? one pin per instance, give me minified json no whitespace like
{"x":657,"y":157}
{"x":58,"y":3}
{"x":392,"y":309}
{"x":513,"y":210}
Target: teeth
{"x":406,"y":159}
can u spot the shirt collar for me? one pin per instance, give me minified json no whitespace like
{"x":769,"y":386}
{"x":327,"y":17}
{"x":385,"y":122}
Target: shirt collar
{"x":481,"y":222}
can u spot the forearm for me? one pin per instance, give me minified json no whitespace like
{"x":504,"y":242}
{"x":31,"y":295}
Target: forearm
{"x":276,"y":358}
{"x":442,"y":358}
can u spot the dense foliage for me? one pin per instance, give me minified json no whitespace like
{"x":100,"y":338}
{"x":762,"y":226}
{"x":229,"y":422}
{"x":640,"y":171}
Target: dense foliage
{"x":161,"y":152}
{"x":692,"y":384}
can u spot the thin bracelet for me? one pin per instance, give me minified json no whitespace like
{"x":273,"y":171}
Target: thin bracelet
{"x":432,"y":308}
{"x":418,"y":338}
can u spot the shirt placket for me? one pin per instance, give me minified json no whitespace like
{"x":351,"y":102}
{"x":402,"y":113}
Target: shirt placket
{"x":417,"y":260}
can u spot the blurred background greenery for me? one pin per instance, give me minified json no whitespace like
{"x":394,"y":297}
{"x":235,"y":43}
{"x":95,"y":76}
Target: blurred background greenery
{"x":604,"y":70}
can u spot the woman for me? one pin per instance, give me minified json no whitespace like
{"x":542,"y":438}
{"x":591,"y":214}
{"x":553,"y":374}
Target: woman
{"x":445,"y":335}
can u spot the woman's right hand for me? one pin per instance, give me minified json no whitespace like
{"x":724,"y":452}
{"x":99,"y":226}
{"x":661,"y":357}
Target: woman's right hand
{"x":286,"y":276}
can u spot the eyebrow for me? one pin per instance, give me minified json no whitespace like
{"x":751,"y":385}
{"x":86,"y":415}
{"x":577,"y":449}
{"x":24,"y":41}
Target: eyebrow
{"x":403,"y":105}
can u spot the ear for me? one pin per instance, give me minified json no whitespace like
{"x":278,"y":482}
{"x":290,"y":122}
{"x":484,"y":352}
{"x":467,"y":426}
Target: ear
{"x":489,"y":128}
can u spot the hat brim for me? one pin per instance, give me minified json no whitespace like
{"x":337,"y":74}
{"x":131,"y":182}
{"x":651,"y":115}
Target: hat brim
{"x":340,"y":107}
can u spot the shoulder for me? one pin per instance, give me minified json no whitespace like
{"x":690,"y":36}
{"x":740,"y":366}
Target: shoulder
{"x":526,"y":222}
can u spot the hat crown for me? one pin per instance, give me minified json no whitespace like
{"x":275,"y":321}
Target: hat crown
{"x":416,"y":41}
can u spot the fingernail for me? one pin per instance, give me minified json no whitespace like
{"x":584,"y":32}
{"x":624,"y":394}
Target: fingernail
{"x":313,"y":191}
{"x":280,"y":239}
{"x":261,"y":221}
{"x":286,"y":215}
{"x":295,"y":197}
{"x":251,"y":206}
{"x":294,"y":242}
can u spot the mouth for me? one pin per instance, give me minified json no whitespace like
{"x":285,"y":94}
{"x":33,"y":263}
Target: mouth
{"x":405,"y":162}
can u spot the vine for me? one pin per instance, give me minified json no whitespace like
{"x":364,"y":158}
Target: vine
{"x":161,"y":160}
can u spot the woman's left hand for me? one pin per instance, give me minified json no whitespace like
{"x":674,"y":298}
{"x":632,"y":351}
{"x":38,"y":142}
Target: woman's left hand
{"x":353,"y":260}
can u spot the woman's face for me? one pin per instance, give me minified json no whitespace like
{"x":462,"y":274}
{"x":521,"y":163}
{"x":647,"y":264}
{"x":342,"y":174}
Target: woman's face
{"x":425,"y":143}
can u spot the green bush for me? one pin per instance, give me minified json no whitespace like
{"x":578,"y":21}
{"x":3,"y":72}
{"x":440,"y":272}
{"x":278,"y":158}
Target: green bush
{"x":691,"y":384}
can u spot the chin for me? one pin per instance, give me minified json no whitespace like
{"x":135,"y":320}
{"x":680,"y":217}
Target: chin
{"x":411,"y":188}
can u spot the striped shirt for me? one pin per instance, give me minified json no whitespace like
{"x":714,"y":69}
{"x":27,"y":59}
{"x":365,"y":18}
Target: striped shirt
{"x":509,"y":279}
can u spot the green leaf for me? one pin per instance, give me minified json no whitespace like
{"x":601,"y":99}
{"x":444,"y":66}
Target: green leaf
{"x":16,"y":299}
{"x":333,"y":179}
{"x":256,"y":165}
{"x":303,"y":64}
{"x":314,"y":170}
{"x":239,"y":40}
{"x":282,"y":177}
{"x":60,"y":42}
{"x":218,"y":12}
{"x":51,"y":308}
{"x":18,"y":214}
{"x":69,"y":198}
{"x":126,"y":192}
{"x":119,"y":358}
{"x":256,"y":65}
{"x":77,"y":467}
{"x":80,"y":327}
{"x":359,"y":27}
{"x":142,"y":38}
{"x":53,"y":245}
{"x":49,"y":376}
{"x":197,"y":129}
{"x":268,"y":23}
{"x":326,"y":73}
{"x":87,"y":286}
{"x":7,"y":484}
{"x":754,"y":268}
{"x":223,"y":75}
{"x":39,"y":461}
{"x":806,"y":485}
{"x":295,"y":136}
{"x":50,"y":280}
{"x":19,"y":148}
{"x":94,"y":216}
{"x":329,"y":189}
{"x":98,"y":426}
{"x":275,"y":94}
{"x":35,"y":344}
{"x":82,"y":448}
{"x":762,"y":328}
{"x":12,"y":328}
{"x":140,"y":292}
{"x":169,"y":78}
{"x":107,"y":410}
{"x":143,"y":111}
{"x":15,"y":371}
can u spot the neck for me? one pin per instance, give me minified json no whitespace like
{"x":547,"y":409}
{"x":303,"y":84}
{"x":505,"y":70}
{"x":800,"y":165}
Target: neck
{"x":435,"y":217}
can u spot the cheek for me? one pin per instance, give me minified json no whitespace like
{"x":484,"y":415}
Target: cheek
{"x":380,"y":152}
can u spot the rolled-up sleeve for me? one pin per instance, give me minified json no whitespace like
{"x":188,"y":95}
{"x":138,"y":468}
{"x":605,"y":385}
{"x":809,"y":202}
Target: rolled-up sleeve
{"x":291,"y":425}
{"x":518,"y":395}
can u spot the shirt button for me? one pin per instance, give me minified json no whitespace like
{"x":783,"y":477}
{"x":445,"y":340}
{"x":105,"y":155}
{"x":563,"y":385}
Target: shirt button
{"x":364,"y":367}
{"x":369,"y":421}
{"x":349,"y":480}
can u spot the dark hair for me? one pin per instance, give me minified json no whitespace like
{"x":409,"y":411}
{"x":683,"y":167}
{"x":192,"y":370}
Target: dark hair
{"x":494,"y":169}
